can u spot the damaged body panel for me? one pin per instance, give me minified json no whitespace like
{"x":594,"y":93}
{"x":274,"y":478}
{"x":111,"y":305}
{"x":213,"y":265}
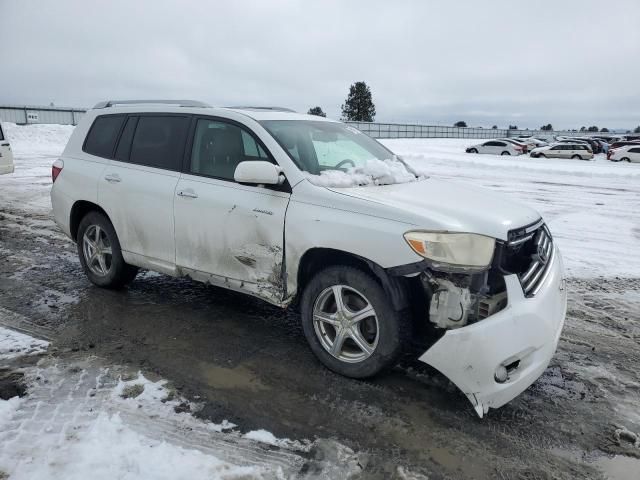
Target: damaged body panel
{"x":495,"y":359}
{"x":231,"y":235}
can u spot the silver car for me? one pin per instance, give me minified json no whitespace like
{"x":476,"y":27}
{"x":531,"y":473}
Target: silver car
{"x":578,"y":151}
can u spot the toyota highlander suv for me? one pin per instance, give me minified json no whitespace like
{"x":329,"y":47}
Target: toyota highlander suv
{"x":301,"y":210}
{"x":6,"y":157}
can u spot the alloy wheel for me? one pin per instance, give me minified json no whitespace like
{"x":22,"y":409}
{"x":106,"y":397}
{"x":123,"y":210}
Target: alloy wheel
{"x":345,"y":323}
{"x":97,"y":251}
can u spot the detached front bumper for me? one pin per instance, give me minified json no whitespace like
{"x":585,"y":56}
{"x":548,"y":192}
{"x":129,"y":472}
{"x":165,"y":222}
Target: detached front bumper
{"x":522,"y":337}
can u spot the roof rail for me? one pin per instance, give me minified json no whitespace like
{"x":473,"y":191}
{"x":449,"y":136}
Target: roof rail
{"x":271,"y":109}
{"x":179,"y":103}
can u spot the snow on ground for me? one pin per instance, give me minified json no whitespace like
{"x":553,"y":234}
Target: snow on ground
{"x":592,"y":207}
{"x":15,"y":344}
{"x":83,"y":420}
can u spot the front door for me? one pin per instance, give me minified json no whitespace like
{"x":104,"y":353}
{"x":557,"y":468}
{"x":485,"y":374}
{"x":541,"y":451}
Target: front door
{"x":229,"y":234}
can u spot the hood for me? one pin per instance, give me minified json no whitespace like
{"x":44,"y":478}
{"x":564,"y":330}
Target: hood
{"x":433,"y":204}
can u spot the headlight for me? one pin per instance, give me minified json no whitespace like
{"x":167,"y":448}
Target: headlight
{"x":453,"y":250}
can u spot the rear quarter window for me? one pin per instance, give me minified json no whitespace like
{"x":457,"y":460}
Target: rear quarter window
{"x":101,"y":139}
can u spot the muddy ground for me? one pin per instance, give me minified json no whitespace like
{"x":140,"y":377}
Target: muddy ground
{"x":248,"y":362}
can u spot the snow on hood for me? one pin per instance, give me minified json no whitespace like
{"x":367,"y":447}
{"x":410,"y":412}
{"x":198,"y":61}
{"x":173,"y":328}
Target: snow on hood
{"x":373,"y":172}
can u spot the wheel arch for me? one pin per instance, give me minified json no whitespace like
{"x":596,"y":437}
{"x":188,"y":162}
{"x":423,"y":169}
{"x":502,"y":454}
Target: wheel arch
{"x":78,"y":211}
{"x":317,"y":258}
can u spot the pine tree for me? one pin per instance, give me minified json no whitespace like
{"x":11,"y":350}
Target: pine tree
{"x":495,"y":127}
{"x":316,"y":111}
{"x":592,"y":129}
{"x":604,"y":129}
{"x":359,"y":104}
{"x":460,"y":124}
{"x":636,"y":130}
{"x":547,"y":128}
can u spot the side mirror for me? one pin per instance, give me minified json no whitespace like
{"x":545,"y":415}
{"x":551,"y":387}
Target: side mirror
{"x":258,"y":172}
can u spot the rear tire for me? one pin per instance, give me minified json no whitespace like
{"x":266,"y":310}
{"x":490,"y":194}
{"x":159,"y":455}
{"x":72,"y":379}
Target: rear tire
{"x":578,"y":157}
{"x":100,"y":253}
{"x":384,"y":330}
{"x":505,"y":153}
{"x":473,"y":150}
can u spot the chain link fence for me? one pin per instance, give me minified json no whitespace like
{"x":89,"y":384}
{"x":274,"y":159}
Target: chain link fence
{"x":400,"y":130}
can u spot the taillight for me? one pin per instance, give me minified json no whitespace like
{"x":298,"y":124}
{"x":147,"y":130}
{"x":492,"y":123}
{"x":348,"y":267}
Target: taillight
{"x":56,"y":168}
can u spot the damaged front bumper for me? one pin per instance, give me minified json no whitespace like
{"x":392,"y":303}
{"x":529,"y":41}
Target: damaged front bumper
{"x":495,"y":359}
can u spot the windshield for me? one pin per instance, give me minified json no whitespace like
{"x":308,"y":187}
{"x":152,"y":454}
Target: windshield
{"x":335,"y":154}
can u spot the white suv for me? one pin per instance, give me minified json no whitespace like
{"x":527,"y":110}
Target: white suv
{"x":6,"y":157}
{"x":290,"y":207}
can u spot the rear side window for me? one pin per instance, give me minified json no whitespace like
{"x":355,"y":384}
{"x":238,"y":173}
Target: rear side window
{"x":634,"y":150}
{"x":124,"y":145}
{"x":159,"y":141}
{"x":103,"y":134}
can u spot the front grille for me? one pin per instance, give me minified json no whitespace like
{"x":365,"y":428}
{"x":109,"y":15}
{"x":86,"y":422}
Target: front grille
{"x":529,"y":254}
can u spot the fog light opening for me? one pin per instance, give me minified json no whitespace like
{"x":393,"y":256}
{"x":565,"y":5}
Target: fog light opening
{"x":501,"y":374}
{"x":504,"y":371}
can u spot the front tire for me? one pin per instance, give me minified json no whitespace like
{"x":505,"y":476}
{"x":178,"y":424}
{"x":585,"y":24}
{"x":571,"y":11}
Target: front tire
{"x":100,"y":253}
{"x":473,"y":150}
{"x":350,"y":324}
{"x":625,"y":159}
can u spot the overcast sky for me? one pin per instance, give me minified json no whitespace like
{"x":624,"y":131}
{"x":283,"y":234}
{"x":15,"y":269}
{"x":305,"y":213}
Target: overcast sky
{"x":571,"y":63}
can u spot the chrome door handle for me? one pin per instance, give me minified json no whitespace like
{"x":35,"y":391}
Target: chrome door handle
{"x":187,"y":193}
{"x":113,"y":178}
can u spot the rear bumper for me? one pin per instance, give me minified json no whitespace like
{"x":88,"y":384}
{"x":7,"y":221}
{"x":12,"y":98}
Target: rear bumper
{"x":526,"y":331}
{"x":4,"y":169}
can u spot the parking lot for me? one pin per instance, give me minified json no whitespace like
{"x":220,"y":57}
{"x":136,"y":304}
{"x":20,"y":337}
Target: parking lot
{"x":246,"y":362}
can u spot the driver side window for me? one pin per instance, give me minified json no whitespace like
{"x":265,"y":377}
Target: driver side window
{"x":218,"y":148}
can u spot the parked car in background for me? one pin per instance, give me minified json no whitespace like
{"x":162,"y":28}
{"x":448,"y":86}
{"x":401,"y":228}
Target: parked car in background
{"x":579,"y":151}
{"x":6,"y":156}
{"x":519,"y":143}
{"x":234,"y":197}
{"x":532,"y":142}
{"x":616,"y":145}
{"x":577,"y":141}
{"x":498,"y":147}
{"x":628,"y":153}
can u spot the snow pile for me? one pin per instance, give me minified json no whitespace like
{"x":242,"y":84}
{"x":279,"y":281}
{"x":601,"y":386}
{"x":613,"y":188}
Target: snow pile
{"x":8,"y":409}
{"x":109,"y":449}
{"x":15,"y":344}
{"x":373,"y":172}
{"x":37,"y":139}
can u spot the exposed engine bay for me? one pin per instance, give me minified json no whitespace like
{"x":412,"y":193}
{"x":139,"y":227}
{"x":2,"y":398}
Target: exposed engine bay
{"x":457,"y":300}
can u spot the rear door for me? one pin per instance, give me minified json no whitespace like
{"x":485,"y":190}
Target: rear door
{"x":229,"y":234}
{"x":138,"y":187}
{"x":489,"y":147}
